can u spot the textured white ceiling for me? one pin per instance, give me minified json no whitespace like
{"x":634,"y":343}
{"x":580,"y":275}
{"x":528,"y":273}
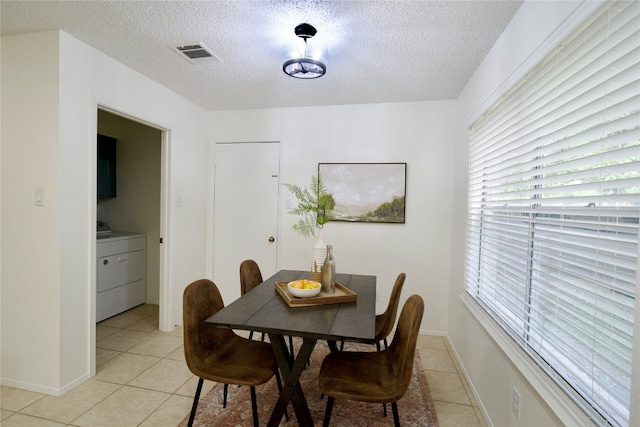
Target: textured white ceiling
{"x":376,"y":51}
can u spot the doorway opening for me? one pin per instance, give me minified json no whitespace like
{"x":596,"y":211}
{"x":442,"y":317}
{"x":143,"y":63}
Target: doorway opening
{"x":137,"y":205}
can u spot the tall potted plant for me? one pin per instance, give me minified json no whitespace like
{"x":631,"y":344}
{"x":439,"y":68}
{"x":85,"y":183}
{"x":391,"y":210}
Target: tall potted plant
{"x":314,"y":208}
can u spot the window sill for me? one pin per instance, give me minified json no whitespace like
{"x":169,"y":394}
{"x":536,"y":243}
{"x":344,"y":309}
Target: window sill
{"x":562,"y":405}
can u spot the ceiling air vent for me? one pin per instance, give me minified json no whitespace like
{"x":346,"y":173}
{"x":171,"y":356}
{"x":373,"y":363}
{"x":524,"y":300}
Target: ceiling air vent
{"x":196,"y":53}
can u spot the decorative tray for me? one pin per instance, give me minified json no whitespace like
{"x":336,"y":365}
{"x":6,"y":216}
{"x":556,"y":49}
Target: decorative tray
{"x":342,"y":294}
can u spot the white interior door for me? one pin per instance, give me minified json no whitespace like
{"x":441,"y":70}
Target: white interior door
{"x":245,"y":211}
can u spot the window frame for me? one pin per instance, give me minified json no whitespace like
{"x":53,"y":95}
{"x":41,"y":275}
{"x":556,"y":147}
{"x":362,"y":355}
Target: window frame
{"x":569,"y":410}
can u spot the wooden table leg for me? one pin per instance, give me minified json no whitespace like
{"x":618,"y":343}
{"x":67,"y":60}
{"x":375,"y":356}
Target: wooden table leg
{"x":291,"y":390}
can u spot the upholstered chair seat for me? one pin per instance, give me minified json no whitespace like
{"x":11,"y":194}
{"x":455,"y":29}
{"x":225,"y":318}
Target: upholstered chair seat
{"x":218,"y":354}
{"x":377,"y":377}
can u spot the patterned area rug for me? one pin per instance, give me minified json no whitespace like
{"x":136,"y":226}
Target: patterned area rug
{"x":415,"y":408}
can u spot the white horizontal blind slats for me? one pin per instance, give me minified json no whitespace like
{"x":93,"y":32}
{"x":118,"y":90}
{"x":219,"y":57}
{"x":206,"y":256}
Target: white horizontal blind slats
{"x":590,"y":117}
{"x":554,"y":208}
{"x":507,"y":105}
{"x":530,"y":98}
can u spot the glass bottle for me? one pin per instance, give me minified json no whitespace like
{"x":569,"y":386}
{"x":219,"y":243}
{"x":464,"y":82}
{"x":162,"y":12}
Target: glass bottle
{"x":329,"y":272}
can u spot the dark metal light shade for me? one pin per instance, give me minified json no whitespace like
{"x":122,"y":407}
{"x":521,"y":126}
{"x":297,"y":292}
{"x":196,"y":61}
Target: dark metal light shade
{"x":305,"y":31}
{"x":304,"y":68}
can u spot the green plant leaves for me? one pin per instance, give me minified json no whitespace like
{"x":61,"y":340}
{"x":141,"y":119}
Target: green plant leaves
{"x":314,"y":206}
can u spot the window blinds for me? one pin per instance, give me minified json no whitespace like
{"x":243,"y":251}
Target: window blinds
{"x":554,"y":207}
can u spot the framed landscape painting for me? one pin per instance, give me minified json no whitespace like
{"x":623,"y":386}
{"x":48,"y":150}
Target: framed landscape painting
{"x":366,"y":192}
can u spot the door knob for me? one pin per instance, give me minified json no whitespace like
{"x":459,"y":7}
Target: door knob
{"x":272,"y":239}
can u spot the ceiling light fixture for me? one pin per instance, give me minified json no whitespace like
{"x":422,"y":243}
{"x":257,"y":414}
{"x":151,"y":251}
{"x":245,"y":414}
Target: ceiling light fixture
{"x":304,"y":67}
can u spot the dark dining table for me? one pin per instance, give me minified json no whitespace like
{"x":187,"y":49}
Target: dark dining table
{"x":264,"y":310}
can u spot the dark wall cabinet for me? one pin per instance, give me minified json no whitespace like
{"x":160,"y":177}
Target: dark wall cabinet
{"x":106,"y":166}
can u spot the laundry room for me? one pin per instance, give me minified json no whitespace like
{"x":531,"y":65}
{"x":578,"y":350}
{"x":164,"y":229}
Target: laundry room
{"x":129,"y":155}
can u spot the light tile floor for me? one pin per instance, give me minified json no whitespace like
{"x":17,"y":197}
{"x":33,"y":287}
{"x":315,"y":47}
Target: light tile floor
{"x":454,"y":402}
{"x":142,"y":380}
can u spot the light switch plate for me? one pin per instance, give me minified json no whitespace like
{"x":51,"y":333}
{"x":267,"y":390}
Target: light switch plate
{"x":39,"y":197}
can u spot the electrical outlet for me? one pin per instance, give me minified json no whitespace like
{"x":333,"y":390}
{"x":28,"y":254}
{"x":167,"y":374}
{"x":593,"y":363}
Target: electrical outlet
{"x":515,"y":403}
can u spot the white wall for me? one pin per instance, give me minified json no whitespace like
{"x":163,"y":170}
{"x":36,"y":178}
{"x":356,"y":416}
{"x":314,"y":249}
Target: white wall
{"x":30,"y":234}
{"x":52,"y":84}
{"x":537,"y":27}
{"x":420,"y":134}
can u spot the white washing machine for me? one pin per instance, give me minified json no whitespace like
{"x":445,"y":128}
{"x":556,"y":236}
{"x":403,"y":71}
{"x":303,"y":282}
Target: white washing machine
{"x":120,"y":269}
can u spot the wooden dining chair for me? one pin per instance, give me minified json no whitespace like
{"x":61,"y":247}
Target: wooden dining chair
{"x":219,"y":354}
{"x":377,"y":377}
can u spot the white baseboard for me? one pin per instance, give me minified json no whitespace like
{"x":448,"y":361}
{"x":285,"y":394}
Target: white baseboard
{"x":39,"y":388}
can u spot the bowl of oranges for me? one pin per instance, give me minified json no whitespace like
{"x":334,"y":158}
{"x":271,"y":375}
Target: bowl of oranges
{"x":304,"y":288}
